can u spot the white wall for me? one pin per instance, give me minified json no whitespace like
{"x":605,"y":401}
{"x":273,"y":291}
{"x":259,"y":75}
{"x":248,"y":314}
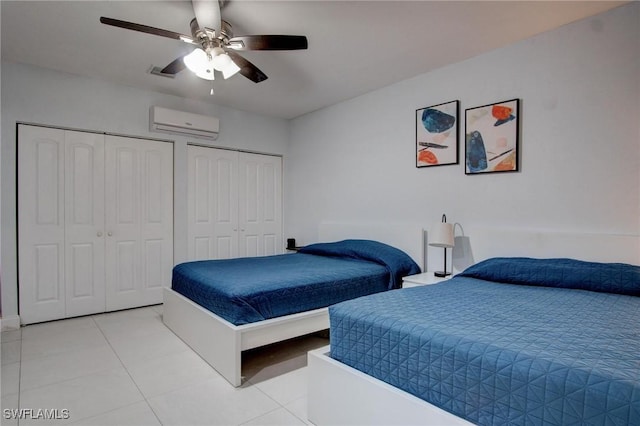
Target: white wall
{"x":579,"y":87}
{"x":36,"y":95}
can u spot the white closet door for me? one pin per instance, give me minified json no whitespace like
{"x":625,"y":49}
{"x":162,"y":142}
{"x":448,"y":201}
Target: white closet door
{"x":139,"y":221}
{"x":260,"y":205}
{"x":41,"y":223}
{"x":84,"y":223}
{"x":212,"y":203}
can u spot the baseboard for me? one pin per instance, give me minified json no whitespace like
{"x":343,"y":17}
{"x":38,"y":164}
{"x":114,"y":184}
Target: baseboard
{"x":10,"y":323}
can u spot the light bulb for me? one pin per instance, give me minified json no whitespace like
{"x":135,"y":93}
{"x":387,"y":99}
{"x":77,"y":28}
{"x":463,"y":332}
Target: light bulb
{"x":219,"y":58}
{"x":196,"y":60}
{"x":200,"y":63}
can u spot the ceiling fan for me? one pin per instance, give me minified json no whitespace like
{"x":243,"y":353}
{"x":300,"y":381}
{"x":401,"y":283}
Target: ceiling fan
{"x":216,"y":45}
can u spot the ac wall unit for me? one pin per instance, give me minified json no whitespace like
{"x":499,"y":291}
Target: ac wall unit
{"x":166,"y":120}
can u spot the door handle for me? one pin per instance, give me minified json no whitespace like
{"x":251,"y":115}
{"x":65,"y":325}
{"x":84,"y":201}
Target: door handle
{"x":109,"y":233}
{"x":99,"y":234}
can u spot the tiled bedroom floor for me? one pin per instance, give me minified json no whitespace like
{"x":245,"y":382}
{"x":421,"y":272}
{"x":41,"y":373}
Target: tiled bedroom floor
{"x":127,"y":368}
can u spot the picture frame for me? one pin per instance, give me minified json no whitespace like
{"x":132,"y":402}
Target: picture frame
{"x":437,"y":135}
{"x":492,"y":138}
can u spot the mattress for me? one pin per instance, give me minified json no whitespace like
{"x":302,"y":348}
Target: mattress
{"x":247,"y":290}
{"x":507,"y":351}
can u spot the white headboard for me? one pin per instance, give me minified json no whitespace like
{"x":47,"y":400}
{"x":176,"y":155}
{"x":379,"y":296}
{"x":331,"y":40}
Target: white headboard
{"x":474,"y":244}
{"x":478,"y":244}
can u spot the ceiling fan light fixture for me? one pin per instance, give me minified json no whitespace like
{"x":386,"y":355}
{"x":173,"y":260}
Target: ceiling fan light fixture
{"x":200,"y":63}
{"x":230,"y":70}
{"x":196,"y":60}
{"x":219,"y":59}
{"x":216,"y":44}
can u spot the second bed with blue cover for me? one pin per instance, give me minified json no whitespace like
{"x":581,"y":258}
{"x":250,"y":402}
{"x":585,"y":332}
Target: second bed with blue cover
{"x":247,"y":290}
{"x":509,"y":341}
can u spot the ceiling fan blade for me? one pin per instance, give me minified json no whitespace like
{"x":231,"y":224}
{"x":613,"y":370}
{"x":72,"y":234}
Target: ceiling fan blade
{"x":208,"y":14}
{"x":146,"y":29}
{"x":268,"y":42}
{"x":247,"y":69}
{"x":174,"y":67}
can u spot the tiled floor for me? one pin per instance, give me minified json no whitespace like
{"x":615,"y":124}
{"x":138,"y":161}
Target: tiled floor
{"x":127,"y":368}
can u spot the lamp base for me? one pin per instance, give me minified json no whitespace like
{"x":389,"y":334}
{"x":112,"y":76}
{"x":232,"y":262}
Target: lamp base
{"x":441,"y":274}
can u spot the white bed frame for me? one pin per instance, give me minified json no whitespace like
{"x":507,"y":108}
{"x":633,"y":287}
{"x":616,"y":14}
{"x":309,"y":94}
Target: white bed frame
{"x":341,"y":395}
{"x":221,"y":343}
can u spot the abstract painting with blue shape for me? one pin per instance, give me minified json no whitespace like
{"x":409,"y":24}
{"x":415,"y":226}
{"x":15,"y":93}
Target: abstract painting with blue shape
{"x":437,"y":128}
{"x":492,"y":137}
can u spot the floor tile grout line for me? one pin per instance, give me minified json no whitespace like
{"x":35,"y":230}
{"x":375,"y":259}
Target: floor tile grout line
{"x":39,"y":359}
{"x":128,"y":373}
{"x":305,"y":421}
{"x":71,"y":379}
{"x":263,"y":414}
{"x":254,"y":385}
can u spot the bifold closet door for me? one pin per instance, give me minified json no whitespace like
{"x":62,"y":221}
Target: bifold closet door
{"x":138,"y":221}
{"x":84,"y":223}
{"x":234,"y":204}
{"x":260,"y":205}
{"x":95,"y":222}
{"x":212,"y":203}
{"x":60,"y":223}
{"x":41,"y":154}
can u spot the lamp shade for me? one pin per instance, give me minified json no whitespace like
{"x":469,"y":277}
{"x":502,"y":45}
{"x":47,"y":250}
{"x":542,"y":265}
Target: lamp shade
{"x":196,"y":60}
{"x":200,"y":63}
{"x":441,"y":235}
{"x":230,"y":70}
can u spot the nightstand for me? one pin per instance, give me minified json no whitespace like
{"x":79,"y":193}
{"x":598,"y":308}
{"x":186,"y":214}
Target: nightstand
{"x":426,"y":278}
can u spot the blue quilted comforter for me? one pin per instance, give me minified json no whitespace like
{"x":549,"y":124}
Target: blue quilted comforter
{"x":510,"y":341}
{"x":247,"y":290}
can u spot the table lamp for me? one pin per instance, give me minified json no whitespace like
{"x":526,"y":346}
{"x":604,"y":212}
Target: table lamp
{"x":441,"y":235}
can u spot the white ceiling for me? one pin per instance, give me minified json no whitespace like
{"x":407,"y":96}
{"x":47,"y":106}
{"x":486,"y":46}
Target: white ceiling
{"x":354,"y":46}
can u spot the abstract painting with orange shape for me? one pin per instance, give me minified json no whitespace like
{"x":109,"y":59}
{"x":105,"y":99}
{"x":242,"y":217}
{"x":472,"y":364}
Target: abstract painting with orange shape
{"x":492,"y":135}
{"x":437,"y":135}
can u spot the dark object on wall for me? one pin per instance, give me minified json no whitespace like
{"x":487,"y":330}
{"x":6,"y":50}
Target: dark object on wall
{"x":492,"y":134}
{"x":291,"y":243}
{"x":437,"y":135}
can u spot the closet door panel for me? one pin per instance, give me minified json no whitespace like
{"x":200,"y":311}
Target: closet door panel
{"x":139,"y":221}
{"x":41,"y":275}
{"x":157,"y":218}
{"x":212,"y":203}
{"x":84,"y":223}
{"x":272,"y":205}
{"x":251,"y":199}
{"x":260,"y":201}
{"x":122,"y":224}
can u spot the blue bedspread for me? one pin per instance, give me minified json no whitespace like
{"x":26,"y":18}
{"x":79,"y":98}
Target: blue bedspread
{"x":496,"y":353}
{"x":247,"y":290}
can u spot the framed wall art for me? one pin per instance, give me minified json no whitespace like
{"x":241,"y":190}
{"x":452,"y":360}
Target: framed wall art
{"x":437,"y":135}
{"x":492,"y":137}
